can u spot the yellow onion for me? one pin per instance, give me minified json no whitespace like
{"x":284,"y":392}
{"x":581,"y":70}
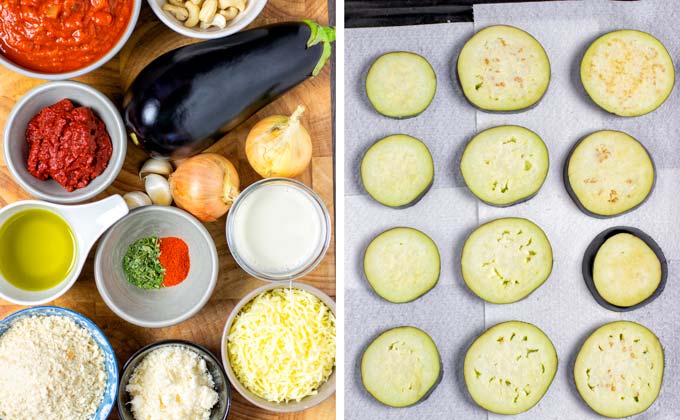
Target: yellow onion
{"x":205,"y":185}
{"x":279,"y":146}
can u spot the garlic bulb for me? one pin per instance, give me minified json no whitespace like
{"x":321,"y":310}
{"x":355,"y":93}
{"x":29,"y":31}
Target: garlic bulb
{"x":136,"y":199}
{"x":155,"y":166}
{"x":158,"y":189}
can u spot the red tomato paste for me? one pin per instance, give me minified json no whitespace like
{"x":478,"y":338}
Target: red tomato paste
{"x":67,"y":144}
{"x":56,"y":36}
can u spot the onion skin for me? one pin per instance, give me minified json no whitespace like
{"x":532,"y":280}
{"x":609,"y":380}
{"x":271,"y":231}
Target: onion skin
{"x":279,"y":146}
{"x":205,"y":185}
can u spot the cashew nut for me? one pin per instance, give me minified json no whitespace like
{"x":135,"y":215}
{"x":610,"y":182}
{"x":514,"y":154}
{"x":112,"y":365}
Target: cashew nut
{"x":218,"y":21}
{"x":229,"y":13}
{"x":179,"y":3}
{"x":240,"y":5}
{"x":197,"y":2}
{"x":178,"y":12}
{"x":208,"y":11}
{"x":193,"y":14}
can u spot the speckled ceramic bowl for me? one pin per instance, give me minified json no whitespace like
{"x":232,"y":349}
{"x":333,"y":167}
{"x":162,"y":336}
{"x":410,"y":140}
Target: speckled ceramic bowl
{"x":110,"y":364}
{"x":166,"y":306}
{"x":15,"y":148}
{"x":218,"y":412}
{"x":325,"y":390}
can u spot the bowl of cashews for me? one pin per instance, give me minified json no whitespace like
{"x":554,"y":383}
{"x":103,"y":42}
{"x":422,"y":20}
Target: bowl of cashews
{"x":207,"y":19}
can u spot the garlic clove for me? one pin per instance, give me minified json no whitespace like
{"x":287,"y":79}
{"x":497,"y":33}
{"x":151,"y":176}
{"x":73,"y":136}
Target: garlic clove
{"x":155,"y":166}
{"x":158,"y":189}
{"x":136,"y":199}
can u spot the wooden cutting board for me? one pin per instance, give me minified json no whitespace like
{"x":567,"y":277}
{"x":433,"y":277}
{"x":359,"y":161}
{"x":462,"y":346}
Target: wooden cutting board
{"x":150,"y":39}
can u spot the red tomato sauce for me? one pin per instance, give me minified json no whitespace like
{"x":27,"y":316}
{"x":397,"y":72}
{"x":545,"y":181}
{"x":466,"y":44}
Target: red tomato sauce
{"x":56,"y":36}
{"x":67,"y":144}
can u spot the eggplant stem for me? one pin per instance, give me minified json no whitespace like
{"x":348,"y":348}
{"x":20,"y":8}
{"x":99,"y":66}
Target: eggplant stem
{"x":323,"y":34}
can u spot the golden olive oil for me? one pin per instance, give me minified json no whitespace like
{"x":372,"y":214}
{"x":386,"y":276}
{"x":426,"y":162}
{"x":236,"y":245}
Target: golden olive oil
{"x":37,"y":249}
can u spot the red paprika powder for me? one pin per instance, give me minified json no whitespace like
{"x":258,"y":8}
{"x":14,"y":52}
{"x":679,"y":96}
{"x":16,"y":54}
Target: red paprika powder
{"x":175,"y":259}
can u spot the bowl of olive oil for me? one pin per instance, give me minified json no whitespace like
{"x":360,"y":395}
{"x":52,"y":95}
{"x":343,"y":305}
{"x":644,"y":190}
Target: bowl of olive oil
{"x":43,"y":246}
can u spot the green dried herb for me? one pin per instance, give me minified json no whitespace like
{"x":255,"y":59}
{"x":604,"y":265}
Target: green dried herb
{"x":142,"y":265}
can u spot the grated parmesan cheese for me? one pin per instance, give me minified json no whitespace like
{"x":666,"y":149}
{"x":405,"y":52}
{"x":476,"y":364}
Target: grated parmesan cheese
{"x":50,"y":368}
{"x":281,"y":345}
{"x":172,"y":383}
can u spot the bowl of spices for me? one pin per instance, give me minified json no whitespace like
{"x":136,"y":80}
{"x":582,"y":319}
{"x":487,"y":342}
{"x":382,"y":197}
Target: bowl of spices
{"x":64,"y":142}
{"x":279,"y":346}
{"x":156,"y":267}
{"x":173,"y":380}
{"x":55,"y":363}
{"x":62,"y":39}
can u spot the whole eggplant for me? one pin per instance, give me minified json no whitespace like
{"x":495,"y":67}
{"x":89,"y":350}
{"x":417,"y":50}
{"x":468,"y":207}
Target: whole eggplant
{"x":186,"y":99}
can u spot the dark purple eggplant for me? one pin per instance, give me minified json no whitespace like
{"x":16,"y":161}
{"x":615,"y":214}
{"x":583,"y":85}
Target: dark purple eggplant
{"x":188,"y":98}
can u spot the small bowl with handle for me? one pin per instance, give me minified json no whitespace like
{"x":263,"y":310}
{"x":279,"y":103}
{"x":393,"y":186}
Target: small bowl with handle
{"x":87,"y":223}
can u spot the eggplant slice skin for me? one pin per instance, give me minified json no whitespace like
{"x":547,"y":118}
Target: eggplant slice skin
{"x":510,"y":367}
{"x":505,"y":260}
{"x":609,"y":173}
{"x":402,"y":264}
{"x":401,"y":84}
{"x":627,"y":72}
{"x":619,"y":369}
{"x":397,"y":170}
{"x":623,"y":291}
{"x":401,"y":367}
{"x":503,"y":69}
{"x":505,"y":165}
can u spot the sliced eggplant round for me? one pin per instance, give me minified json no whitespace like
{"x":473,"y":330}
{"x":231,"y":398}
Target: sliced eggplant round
{"x":401,"y":367}
{"x":609,"y":173}
{"x":510,"y":367}
{"x":503,"y":68}
{"x":505,"y":260}
{"x":505,"y":165}
{"x":627,"y":73}
{"x":401,"y":84}
{"x":619,"y":369}
{"x":624,"y":269}
{"x":397,"y":170}
{"x":402,"y":264}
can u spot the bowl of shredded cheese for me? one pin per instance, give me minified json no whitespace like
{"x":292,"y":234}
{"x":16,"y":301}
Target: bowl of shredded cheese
{"x":173,"y":380}
{"x":278,"y":347}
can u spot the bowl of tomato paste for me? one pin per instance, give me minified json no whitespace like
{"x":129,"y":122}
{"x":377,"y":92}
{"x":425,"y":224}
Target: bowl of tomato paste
{"x":64,"y":142}
{"x":62,"y":39}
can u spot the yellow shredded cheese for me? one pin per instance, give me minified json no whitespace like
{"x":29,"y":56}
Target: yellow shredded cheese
{"x":281,"y":345}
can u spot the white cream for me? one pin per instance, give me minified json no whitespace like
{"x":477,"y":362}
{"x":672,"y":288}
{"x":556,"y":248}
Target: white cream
{"x":278,"y":229}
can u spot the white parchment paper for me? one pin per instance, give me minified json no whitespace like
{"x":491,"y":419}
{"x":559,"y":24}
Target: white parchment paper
{"x":562,"y":307}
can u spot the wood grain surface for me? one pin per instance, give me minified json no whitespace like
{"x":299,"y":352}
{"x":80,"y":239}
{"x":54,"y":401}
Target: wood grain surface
{"x":150,"y":39}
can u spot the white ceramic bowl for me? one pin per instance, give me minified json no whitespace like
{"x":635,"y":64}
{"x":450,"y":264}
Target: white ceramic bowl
{"x":76,"y":73}
{"x":325,"y":390}
{"x":15,"y":148}
{"x":243,"y":19}
{"x":166,"y":306}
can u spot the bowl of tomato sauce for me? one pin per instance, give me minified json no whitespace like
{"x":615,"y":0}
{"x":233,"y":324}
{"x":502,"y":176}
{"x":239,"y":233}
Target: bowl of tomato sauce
{"x":62,"y":39}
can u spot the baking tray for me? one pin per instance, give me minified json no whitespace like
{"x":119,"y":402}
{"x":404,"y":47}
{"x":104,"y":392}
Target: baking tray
{"x":563,"y":307}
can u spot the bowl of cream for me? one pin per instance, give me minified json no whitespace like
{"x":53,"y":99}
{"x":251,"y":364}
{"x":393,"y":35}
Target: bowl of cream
{"x":278,"y":229}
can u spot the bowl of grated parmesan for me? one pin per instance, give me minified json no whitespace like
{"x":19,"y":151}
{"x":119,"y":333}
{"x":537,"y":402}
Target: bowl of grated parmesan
{"x":173,"y":380}
{"x":55,"y":364}
{"x":278,"y":347}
